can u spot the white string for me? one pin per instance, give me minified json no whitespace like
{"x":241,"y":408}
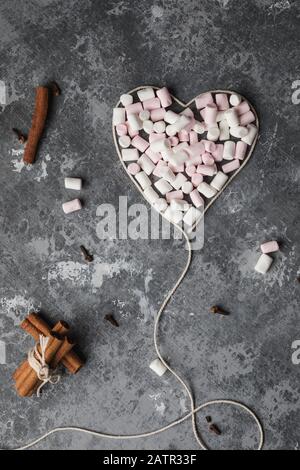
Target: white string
{"x":194,"y":409}
{"x":38,"y":363}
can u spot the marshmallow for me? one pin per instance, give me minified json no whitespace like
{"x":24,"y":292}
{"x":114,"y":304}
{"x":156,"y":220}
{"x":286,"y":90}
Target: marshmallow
{"x":174,"y":195}
{"x":220,"y":116}
{"x":131,"y":132}
{"x":155,"y":157}
{"x":234,"y":99}
{"x":229,"y":150}
{"x":199,"y":127}
{"x":184,"y":136}
{"x":218,"y":152}
{"x":163,"y":186}
{"x":126,"y":99}
{"x":171,"y":117}
{"x":242,"y":108}
{"x":208,"y":159}
{"x":173,"y":216}
{"x":232,"y":117}
{"x":134,"y":108}
{"x":190,"y":170}
{"x":222,"y":101}
{"x":196,"y":149}
{"x":144,"y":115}
{"x":73,"y":183}
{"x":191,"y":216}
{"x":146,"y":164}
{"x":160,"y":204}
{"x":148,"y":126}
{"x":213,"y":133}
{"x":128,"y":155}
{"x":124,"y":141}
{"x":178,"y":181}
{"x":159,"y":127}
{"x":224,"y":130}
{"x":164,"y":96}
{"x":151,"y":195}
{"x":157,"y":114}
{"x":196,"y":199}
{"x":263,"y":264}
{"x":133,"y":168}
{"x":121,"y":129}
{"x":158,"y":367}
{"x":146,"y":94}
{"x":119,"y":116}
{"x":139,"y":143}
{"x":160,"y":145}
{"x":168,"y":174}
{"x":269,"y":247}
{"x":71,"y":206}
{"x":180,"y":124}
{"x":193,"y":137}
{"x":182,"y":146}
{"x":247,"y":118}
{"x":135,"y":122}
{"x":178,"y":158}
{"x":156,"y":136}
{"x":173,"y":141}
{"x":209,"y":146}
{"x":210,"y":113}
{"x":207,"y":190}
{"x":238,"y":131}
{"x":240,"y":150}
{"x":207,"y":170}
{"x":219,"y":181}
{"x":179,"y":205}
{"x":158,"y":171}
{"x":143,"y":180}
{"x":197,"y":179}
{"x":231,"y":166}
{"x":249,"y":138}
{"x":187,"y":187}
{"x":151,"y":104}
{"x":203,"y":100}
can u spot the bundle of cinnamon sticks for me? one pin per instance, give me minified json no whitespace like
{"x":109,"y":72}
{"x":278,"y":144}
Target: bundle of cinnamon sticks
{"x":59,"y":350}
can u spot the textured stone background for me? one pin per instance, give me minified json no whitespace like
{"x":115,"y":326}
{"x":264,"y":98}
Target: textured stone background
{"x":96,"y":50}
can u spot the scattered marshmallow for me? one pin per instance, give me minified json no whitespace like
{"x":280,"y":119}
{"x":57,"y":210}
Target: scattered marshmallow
{"x":158,"y":367}
{"x":73,"y":183}
{"x":71,"y":206}
{"x":269,"y":247}
{"x":263,"y":264}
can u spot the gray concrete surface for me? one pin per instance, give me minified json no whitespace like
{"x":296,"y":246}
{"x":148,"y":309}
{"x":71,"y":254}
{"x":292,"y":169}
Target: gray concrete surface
{"x":96,"y":50}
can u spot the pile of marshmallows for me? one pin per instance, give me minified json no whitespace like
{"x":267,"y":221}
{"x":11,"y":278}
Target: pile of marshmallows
{"x":181,"y":160}
{"x":75,"y":204}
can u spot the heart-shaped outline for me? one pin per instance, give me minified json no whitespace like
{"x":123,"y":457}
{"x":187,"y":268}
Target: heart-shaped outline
{"x":184,"y":106}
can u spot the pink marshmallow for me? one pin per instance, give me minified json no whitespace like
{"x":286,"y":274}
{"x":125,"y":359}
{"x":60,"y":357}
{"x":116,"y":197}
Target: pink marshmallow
{"x":190,"y":170}
{"x":131,"y":132}
{"x":139,"y":143}
{"x":174,"y":141}
{"x":222,"y":101}
{"x":207,"y":170}
{"x":155,"y":157}
{"x":208,"y":159}
{"x":231,"y":166}
{"x":269,"y":247}
{"x":203,"y":100}
{"x":165,"y":97}
{"x":242,"y":108}
{"x":71,"y":206}
{"x":121,"y":129}
{"x":196,"y":149}
{"x":240,"y":150}
{"x":133,"y":168}
{"x":193,"y":137}
{"x":153,"y":137}
{"x":247,"y":118}
{"x":174,"y":195}
{"x":209,"y":146}
{"x":210,"y":115}
{"x":152,"y":103}
{"x":134,"y":108}
{"x":176,"y":169}
{"x":218,"y":153}
{"x":196,"y":160}
{"x":183,"y":136}
{"x":158,"y":170}
{"x":157,"y":114}
{"x":197,"y":178}
{"x":196,"y":198}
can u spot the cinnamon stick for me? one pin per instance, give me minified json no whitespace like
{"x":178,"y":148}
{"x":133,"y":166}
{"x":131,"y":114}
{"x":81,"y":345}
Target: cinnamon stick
{"x":66,"y":347}
{"x":38,"y":124}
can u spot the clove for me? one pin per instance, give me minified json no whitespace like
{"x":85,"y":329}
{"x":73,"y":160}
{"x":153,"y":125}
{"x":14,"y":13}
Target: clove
{"x":22,"y":138}
{"x":219,"y":310}
{"x":213,"y":428}
{"x":87,"y":256}
{"x":56,"y":91}
{"x":109,"y":317}
{"x":208,"y":419}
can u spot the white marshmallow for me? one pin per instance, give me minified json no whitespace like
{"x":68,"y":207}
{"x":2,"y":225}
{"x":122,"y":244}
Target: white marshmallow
{"x":158,"y":367}
{"x":161,"y":145}
{"x":71,"y":206}
{"x":143,"y":180}
{"x":187,"y":187}
{"x":129,"y":155}
{"x":213,"y":134}
{"x":207,"y":190}
{"x":232,"y":117}
{"x":224,"y":130}
{"x":159,"y":127}
{"x":229,"y":150}
{"x":180,"y":147}
{"x":238,"y":131}
{"x":168,"y":175}
{"x":199,"y":127}
{"x":163,"y":186}
{"x":171,"y":117}
{"x":151,"y":195}
{"x":119,"y":116}
{"x":73,"y":183}
{"x":252,"y":131}
{"x":220,"y":116}
{"x":178,"y":158}
{"x":219,"y":181}
{"x":180,"y":124}
{"x":144,"y":115}
{"x":235,"y":99}
{"x":179,"y":205}
{"x":126,"y":99}
{"x":160,"y":204}
{"x":191,"y":216}
{"x":135,"y":122}
{"x":173,"y":215}
{"x":146,"y":94}
{"x":124,"y":141}
{"x":179,"y":180}
{"x":146,"y":164}
{"x":263,"y":264}
{"x":148,"y":126}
